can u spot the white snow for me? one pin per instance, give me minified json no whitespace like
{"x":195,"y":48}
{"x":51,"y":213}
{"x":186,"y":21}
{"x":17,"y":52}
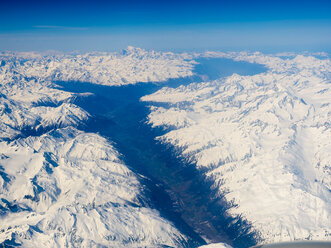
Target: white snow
{"x":64,"y":187}
{"x":265,"y":141}
{"x":131,"y":66}
{"x":216,"y":245}
{"x":19,"y":108}
{"x":72,"y":190}
{"x":28,"y":98}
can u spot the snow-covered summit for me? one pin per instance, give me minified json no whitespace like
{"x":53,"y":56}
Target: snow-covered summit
{"x":63,"y":187}
{"x":29,"y":100}
{"x":264,"y":140}
{"x":68,"y":188}
{"x":131,"y":66}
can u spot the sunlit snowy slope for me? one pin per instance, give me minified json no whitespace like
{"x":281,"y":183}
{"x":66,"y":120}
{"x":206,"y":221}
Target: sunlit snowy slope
{"x":217,"y":245}
{"x":63,"y":187}
{"x":68,"y":188}
{"x":131,"y":66}
{"x":263,"y":140}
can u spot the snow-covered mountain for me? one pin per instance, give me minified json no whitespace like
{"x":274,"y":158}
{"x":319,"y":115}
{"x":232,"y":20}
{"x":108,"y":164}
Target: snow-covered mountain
{"x":131,"y":66}
{"x":60,"y":187}
{"x":264,"y":141}
{"x":29,"y":100}
{"x":68,"y":188}
{"x":217,"y":245}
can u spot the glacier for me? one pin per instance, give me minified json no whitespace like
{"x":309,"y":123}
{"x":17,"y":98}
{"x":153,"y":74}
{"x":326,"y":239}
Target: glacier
{"x":263,"y":140}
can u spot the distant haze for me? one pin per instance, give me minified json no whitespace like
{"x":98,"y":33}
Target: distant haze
{"x":166,"y":25}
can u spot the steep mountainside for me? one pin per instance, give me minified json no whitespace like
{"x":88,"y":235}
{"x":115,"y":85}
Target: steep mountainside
{"x":264,"y":141}
{"x":63,"y":187}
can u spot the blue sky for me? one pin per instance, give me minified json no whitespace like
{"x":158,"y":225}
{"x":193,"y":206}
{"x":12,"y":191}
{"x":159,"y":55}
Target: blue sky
{"x":269,"y":26}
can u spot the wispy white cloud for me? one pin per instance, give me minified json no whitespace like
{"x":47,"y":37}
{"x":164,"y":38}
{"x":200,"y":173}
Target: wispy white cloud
{"x":59,"y":27}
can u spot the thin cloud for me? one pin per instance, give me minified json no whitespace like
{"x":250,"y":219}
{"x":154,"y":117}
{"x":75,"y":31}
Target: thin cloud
{"x":59,"y":27}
